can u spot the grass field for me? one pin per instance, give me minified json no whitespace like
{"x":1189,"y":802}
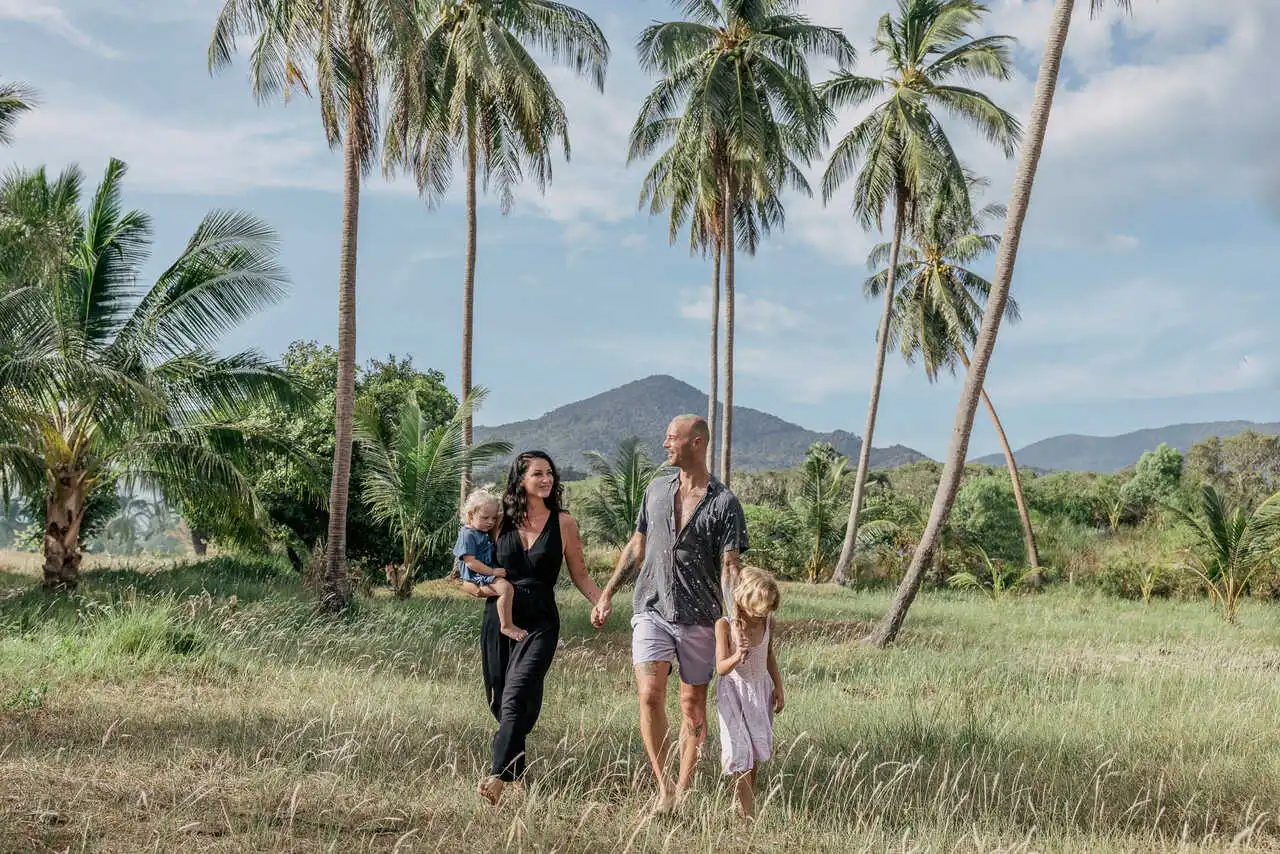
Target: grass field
{"x":155,"y":712}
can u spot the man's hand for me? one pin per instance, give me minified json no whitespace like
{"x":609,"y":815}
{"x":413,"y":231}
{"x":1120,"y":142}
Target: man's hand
{"x":739,"y":633}
{"x":600,"y":613}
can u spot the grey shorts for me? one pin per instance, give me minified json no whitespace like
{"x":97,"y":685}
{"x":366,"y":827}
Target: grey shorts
{"x":693,"y":648}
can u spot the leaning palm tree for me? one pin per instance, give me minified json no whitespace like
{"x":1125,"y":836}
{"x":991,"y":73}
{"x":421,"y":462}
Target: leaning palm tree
{"x":411,"y":477}
{"x":1020,"y":200}
{"x":899,"y":152}
{"x":612,"y":506}
{"x":466,"y":87}
{"x":330,"y":47}
{"x":937,"y":312}
{"x":15,"y":99}
{"x":107,"y":381}
{"x":737,"y":108}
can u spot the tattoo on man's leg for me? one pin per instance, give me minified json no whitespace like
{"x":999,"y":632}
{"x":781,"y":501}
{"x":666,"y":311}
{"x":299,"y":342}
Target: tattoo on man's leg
{"x":650,"y":668}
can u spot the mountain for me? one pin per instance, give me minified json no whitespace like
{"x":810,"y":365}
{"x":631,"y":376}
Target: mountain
{"x":1112,"y":453}
{"x":645,"y":407}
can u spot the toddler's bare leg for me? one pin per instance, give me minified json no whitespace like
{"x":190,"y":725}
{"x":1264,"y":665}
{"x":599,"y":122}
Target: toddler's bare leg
{"x":506,"y":593}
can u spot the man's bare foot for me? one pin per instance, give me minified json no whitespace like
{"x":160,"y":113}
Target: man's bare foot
{"x":490,"y":789}
{"x":516,"y":633}
{"x":666,"y":801}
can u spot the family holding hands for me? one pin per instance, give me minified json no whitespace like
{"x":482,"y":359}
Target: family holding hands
{"x":684,"y":558}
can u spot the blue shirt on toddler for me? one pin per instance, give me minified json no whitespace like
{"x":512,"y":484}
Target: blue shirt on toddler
{"x":479,"y":545}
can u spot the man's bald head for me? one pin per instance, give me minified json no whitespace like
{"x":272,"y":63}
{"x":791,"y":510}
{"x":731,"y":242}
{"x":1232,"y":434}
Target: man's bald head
{"x":686,"y":442}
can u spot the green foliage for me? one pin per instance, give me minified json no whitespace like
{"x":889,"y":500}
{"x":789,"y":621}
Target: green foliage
{"x":612,"y":504}
{"x":1244,"y":469}
{"x":25,"y":698}
{"x":1155,"y":480}
{"x":996,"y":579}
{"x":817,"y":507}
{"x":107,"y":379}
{"x":1231,"y":546}
{"x":410,"y":477}
{"x":1134,"y":574}
{"x":293,"y":487}
{"x":985,"y":513}
{"x":777,"y":542}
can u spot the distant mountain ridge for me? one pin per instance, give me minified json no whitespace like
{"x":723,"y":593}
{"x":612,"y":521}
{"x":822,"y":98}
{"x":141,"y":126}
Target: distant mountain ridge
{"x":645,"y":407}
{"x":1113,"y":453}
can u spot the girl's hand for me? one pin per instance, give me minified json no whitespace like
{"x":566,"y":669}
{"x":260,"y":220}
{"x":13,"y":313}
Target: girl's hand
{"x":779,"y":700}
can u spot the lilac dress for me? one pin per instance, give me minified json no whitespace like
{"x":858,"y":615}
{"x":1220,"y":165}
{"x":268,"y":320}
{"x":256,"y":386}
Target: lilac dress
{"x":744,"y":702}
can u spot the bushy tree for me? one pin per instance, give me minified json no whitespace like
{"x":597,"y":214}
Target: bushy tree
{"x":1155,"y":480}
{"x":985,"y":515}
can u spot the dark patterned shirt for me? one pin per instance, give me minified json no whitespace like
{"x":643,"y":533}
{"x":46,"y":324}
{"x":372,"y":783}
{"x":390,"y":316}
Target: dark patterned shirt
{"x":680,"y":579}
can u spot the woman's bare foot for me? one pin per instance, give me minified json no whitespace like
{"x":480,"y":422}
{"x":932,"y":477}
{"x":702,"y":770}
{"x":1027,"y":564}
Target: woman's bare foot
{"x":516,"y":633}
{"x":490,"y":789}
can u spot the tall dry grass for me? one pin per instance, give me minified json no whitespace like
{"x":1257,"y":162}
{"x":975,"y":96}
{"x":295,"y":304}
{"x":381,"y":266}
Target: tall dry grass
{"x":206,"y":706}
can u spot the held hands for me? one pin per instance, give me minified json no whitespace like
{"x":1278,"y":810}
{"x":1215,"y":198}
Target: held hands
{"x":600,"y":613}
{"x":739,"y":633}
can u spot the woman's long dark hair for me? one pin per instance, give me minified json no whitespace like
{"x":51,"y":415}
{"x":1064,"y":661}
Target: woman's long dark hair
{"x":515,"y":505}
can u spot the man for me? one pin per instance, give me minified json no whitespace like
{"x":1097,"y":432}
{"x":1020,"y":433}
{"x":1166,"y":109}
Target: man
{"x":686,"y":547}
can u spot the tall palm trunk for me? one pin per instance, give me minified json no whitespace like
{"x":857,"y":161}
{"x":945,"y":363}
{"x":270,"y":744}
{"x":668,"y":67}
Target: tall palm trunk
{"x":1019,"y":201}
{"x":65,"y":506}
{"x":713,"y":381}
{"x":337,"y":588}
{"x":469,"y":290}
{"x":726,"y":417}
{"x":841,"y":573}
{"x":1028,"y":535}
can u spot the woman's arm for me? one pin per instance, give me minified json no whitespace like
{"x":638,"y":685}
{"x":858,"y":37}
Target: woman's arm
{"x":577,"y":563}
{"x":728,"y":654}
{"x":779,"y":700}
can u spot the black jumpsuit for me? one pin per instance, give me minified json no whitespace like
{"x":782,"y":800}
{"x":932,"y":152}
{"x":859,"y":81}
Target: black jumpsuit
{"x":514,"y":672}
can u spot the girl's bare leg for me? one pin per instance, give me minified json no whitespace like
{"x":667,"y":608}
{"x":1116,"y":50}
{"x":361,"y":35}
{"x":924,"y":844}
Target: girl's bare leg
{"x":744,"y":788}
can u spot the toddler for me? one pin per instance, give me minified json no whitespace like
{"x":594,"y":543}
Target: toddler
{"x":474,"y":551}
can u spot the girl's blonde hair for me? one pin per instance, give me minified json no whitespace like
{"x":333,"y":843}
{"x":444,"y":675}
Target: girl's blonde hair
{"x":756,"y":592}
{"x":477,"y":500}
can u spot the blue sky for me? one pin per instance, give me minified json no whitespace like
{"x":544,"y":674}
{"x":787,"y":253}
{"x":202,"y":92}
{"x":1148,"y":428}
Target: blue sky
{"x":1147,"y":275}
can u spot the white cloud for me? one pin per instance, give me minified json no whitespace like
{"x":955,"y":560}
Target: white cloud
{"x":50,"y":18}
{"x":751,"y":314}
{"x":1136,"y":310}
{"x":177,"y":154}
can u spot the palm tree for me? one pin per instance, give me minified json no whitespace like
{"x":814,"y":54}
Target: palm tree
{"x":815,"y":506}
{"x":108,"y":381}
{"x":975,"y":376}
{"x":15,"y":99}
{"x":936,"y":314}
{"x":467,"y":87}
{"x":331,"y":47}
{"x":737,"y":107}
{"x":903,"y":150}
{"x":613,"y":505}
{"x":411,"y":477}
{"x":1230,"y":545}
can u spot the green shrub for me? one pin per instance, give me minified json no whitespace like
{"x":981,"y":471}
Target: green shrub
{"x":985,"y":515}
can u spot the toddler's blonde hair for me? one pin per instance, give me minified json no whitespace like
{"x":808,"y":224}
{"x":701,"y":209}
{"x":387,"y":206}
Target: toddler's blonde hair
{"x":476,"y":501}
{"x":756,"y":592}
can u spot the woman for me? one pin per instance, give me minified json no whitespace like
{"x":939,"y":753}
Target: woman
{"x":535,"y":537}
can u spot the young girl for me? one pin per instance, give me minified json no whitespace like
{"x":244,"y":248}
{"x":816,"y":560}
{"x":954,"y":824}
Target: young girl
{"x":474,"y":551}
{"x":749,"y":692}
